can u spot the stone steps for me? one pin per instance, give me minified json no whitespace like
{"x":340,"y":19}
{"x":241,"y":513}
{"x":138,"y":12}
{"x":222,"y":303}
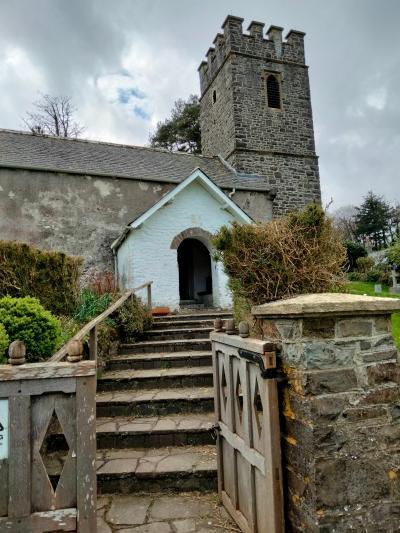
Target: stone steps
{"x":155,"y":409}
{"x":166,"y":346}
{"x":119,"y":432}
{"x":187,"y":323}
{"x":159,"y":512}
{"x":115,"y":380}
{"x":177,"y":469}
{"x":153,"y":432}
{"x":204,"y":315}
{"x":155,"y":402}
{"x":179,"y":333}
{"x":160,"y":360}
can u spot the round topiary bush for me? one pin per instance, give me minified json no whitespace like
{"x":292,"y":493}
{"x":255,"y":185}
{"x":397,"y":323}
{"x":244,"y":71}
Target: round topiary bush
{"x":4,"y":343}
{"x":26,"y":320}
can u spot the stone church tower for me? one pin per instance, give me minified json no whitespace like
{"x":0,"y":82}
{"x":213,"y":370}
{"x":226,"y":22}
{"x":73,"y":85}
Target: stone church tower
{"x":256,"y":110}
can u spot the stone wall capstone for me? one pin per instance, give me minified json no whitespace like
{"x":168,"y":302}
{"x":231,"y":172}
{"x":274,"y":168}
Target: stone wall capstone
{"x":340,"y":407}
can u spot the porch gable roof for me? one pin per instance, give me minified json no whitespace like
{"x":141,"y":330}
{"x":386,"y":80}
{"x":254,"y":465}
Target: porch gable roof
{"x":199,"y":176}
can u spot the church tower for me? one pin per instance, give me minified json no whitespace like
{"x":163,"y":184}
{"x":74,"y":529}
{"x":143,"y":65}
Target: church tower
{"x":256,"y":110}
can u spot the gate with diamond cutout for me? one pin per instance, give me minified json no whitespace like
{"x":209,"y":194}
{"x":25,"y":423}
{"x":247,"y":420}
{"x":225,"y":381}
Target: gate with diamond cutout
{"x":48,"y":449}
{"x":248,"y":435}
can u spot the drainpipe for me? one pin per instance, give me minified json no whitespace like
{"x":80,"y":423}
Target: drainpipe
{"x":232,"y":193}
{"x":115,"y":268}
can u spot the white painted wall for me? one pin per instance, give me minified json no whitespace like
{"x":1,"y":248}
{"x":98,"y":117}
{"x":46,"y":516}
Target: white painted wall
{"x":146,"y":253}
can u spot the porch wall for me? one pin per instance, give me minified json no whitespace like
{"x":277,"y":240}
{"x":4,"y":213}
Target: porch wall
{"x":147,"y":253}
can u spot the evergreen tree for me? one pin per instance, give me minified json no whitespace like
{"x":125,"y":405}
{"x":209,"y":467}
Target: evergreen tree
{"x":373,"y":221}
{"x":180,"y":132}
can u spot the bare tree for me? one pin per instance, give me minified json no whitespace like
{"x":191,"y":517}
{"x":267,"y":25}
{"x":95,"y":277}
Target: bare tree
{"x":54,"y":116}
{"x":344,"y":220}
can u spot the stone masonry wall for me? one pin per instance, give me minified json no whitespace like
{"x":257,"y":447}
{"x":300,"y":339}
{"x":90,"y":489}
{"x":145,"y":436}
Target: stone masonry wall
{"x":239,"y":125}
{"x":340,"y":419}
{"x":83,"y":214}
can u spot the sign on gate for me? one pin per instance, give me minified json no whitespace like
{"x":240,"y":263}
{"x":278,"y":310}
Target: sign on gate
{"x":248,"y":441}
{"x":3,"y":429}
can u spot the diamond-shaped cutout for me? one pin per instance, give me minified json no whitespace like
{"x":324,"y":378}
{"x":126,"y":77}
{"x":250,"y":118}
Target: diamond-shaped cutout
{"x":224,"y":387}
{"x":258,"y":408}
{"x":54,"y":450}
{"x":239,"y":397}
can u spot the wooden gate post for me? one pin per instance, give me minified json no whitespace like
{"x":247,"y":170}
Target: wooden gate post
{"x":340,"y":410}
{"x":30,"y":395}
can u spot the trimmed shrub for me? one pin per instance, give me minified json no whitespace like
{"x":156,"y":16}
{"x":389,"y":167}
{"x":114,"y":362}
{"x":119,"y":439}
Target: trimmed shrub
{"x":4,"y":344}
{"x":132,"y":319}
{"x":51,"y":277}
{"x":25,"y":319}
{"x":297,"y":254}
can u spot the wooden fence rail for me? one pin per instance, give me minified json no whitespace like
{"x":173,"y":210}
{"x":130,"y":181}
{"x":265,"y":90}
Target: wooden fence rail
{"x":91,"y":327}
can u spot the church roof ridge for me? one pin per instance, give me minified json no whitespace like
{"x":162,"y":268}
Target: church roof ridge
{"x":107,"y":143}
{"x":35,"y":152}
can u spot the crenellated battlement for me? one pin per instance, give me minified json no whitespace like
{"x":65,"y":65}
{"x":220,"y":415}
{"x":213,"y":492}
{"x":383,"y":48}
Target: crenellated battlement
{"x":270,"y":47}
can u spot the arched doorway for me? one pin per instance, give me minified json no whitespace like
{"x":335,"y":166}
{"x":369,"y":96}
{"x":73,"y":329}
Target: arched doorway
{"x":195,"y":279}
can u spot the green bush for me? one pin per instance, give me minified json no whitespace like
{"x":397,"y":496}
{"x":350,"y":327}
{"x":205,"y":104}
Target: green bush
{"x":25,"y":319}
{"x":393,"y":253}
{"x":91,"y":304}
{"x":364,"y":264}
{"x":51,"y":277}
{"x":4,"y":344}
{"x":133,"y":319}
{"x":354,"y":250}
{"x":296,"y":254}
{"x":69,"y":327}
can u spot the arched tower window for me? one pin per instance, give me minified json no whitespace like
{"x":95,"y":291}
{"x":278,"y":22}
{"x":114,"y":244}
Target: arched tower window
{"x":214,"y":96}
{"x":273,"y":92}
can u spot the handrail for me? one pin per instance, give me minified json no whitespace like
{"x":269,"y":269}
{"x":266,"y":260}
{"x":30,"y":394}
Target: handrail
{"x":91,"y":327}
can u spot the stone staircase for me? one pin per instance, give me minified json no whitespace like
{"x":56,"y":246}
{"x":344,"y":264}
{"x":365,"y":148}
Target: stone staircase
{"x":155,"y":410}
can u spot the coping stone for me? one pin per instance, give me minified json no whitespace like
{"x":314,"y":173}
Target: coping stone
{"x":327,"y":304}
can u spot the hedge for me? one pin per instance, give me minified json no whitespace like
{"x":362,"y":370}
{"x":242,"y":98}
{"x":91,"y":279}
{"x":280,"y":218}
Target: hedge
{"x":52,"y":277}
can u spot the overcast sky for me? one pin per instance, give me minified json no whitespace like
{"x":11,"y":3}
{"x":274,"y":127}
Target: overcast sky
{"x":124,"y":63}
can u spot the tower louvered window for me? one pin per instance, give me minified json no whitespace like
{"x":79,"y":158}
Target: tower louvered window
{"x":273,"y":92}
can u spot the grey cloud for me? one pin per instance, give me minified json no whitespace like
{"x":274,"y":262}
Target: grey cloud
{"x":352,"y":47}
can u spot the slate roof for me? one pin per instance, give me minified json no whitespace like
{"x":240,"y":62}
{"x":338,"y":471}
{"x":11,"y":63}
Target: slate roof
{"x":77,"y":156}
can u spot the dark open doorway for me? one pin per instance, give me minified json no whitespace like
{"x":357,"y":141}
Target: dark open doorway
{"x":195,"y":281}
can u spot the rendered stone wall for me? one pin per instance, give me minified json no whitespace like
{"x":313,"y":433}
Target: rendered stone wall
{"x":340,"y":410}
{"x":82,"y":214}
{"x":239,"y":125}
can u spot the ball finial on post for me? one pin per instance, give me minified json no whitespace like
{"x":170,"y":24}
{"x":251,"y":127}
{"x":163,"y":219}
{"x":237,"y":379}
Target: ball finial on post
{"x":17,"y":352}
{"x":244,"y":329}
{"x":75,"y":351}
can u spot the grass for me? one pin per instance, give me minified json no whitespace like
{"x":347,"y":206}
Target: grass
{"x":365,"y":287}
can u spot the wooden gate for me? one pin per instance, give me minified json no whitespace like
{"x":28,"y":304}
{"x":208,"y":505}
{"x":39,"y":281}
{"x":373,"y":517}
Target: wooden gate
{"x":38,"y":494}
{"x":248,"y":436}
